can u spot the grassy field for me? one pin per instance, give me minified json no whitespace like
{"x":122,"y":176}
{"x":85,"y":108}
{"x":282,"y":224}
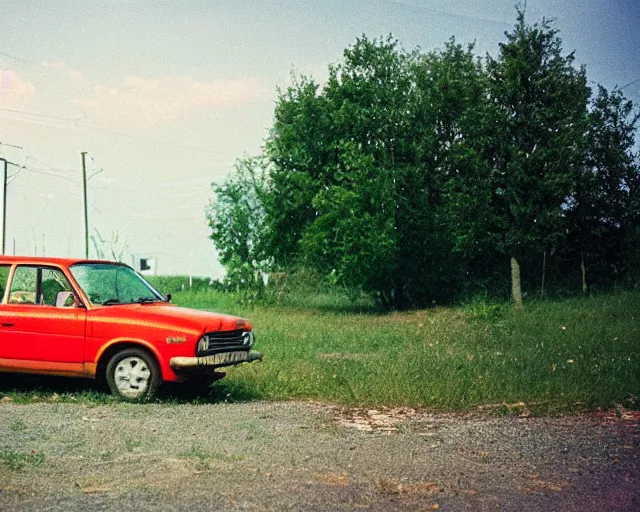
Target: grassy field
{"x":553,"y":356}
{"x":578,"y":353}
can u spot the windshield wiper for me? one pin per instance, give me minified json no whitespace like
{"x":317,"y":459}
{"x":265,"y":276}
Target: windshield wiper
{"x":110,"y":301}
{"x":142,"y":300}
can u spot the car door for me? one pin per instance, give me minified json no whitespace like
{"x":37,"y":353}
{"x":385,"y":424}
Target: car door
{"x":4,"y":281}
{"x":37,"y":324}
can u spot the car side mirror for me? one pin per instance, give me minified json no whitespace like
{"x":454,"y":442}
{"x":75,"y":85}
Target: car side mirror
{"x":169,"y":297}
{"x":67,"y":300}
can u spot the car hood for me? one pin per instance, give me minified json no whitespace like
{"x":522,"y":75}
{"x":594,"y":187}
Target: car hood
{"x":158,"y":314}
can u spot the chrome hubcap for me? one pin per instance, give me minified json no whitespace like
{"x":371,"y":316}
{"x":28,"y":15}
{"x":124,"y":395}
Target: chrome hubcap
{"x":132,"y":377}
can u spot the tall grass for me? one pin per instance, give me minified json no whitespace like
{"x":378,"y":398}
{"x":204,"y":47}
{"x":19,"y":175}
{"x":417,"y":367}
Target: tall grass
{"x":578,"y":352}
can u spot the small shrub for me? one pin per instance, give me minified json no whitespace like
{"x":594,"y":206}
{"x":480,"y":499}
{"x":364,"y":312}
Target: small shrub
{"x":19,"y":460}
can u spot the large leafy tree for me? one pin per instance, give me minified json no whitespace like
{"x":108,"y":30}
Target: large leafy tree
{"x":338,"y":154}
{"x":359,"y":168}
{"x":454,"y":119}
{"x":535,"y":143}
{"x":361,"y":210}
{"x":301,"y":156}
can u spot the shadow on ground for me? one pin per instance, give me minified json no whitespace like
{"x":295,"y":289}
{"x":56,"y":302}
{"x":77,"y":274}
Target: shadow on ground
{"x":22,"y":388}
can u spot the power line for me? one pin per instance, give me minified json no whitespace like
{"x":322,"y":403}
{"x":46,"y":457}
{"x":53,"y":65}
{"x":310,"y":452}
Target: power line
{"x":152,"y":141}
{"x":96,"y":170}
{"x":14,"y":176}
{"x":48,"y":171}
{"x":50,"y":167}
{"x":630,"y":83}
{"x":9,"y":145}
{"x":76,"y":125}
{"x":54,"y":175}
{"x":33,"y":121}
{"x":8,"y":55}
{"x":441,"y":11}
{"x":35,"y":114}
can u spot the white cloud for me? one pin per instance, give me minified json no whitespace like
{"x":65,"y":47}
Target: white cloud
{"x":74,"y":74}
{"x":169,"y":98}
{"x":14,"y":91}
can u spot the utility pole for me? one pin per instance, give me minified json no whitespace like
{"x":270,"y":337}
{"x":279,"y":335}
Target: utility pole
{"x":4,"y":205}
{"x":4,"y":197}
{"x":86,"y":215}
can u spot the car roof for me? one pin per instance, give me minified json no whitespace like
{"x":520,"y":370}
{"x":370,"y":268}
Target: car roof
{"x":43,"y":260}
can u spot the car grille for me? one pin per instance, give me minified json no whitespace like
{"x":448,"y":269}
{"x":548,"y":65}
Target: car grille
{"x":225,"y":341}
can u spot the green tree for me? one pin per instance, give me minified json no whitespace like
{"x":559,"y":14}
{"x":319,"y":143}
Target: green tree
{"x":604,"y":211}
{"x":451,"y":126}
{"x":536,"y":141}
{"x":360,"y":165}
{"x":236,"y":217}
{"x":300,"y":154}
{"x":337,"y":154}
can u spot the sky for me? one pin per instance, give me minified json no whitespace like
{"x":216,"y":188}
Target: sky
{"x":164,"y":96}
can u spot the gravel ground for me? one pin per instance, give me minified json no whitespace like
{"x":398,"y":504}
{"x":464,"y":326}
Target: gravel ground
{"x":304,"y":456}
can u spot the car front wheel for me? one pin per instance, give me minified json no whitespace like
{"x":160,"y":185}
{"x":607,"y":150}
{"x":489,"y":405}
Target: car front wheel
{"x":133,"y":375}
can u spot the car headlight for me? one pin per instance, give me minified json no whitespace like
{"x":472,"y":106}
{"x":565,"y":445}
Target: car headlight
{"x":203,"y":344}
{"x":248,"y":339}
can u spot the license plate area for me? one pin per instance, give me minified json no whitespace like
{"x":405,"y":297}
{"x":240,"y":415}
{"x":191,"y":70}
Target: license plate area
{"x":223,"y":359}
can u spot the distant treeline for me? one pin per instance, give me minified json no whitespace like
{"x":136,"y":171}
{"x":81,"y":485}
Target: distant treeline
{"x":421,"y":177}
{"x":173,"y":284}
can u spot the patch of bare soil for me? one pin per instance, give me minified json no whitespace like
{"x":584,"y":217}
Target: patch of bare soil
{"x":305,"y":456}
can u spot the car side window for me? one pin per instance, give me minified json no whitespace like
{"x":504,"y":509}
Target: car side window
{"x":23,"y":286}
{"x":4,"y":276}
{"x":54,"y":282}
{"x":34,"y":285}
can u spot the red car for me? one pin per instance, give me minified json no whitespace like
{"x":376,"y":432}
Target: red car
{"x":100,"y":319}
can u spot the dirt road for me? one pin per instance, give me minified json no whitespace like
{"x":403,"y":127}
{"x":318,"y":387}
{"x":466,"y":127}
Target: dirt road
{"x":299,"y":456}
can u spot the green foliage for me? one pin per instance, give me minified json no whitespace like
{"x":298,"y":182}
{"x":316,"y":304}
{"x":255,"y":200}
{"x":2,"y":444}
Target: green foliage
{"x":419,"y":178}
{"x":305,"y":288}
{"x":509,"y":196}
{"x":365,"y":179}
{"x":18,"y":426}
{"x":212,"y":300}
{"x":298,"y":152}
{"x":604,"y":210}
{"x":236,"y":218}
{"x":19,"y":460}
{"x":483,"y":308}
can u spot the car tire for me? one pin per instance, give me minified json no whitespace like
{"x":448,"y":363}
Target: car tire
{"x":133,"y":375}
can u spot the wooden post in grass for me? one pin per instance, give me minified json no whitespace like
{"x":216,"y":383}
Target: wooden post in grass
{"x":516,"y":287}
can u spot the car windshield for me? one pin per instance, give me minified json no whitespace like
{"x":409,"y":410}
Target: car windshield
{"x":110,"y":284}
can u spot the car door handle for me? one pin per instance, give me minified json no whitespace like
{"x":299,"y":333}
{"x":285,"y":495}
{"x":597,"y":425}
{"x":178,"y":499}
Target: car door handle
{"x":4,"y":324}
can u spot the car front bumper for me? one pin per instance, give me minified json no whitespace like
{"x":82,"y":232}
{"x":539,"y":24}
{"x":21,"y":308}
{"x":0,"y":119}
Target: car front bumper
{"x":215,"y":360}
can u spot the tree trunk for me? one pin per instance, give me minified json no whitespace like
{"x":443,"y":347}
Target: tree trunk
{"x":583,"y":269}
{"x":544,"y":273}
{"x":398,"y":295}
{"x":385,"y":299}
{"x":516,"y":288}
